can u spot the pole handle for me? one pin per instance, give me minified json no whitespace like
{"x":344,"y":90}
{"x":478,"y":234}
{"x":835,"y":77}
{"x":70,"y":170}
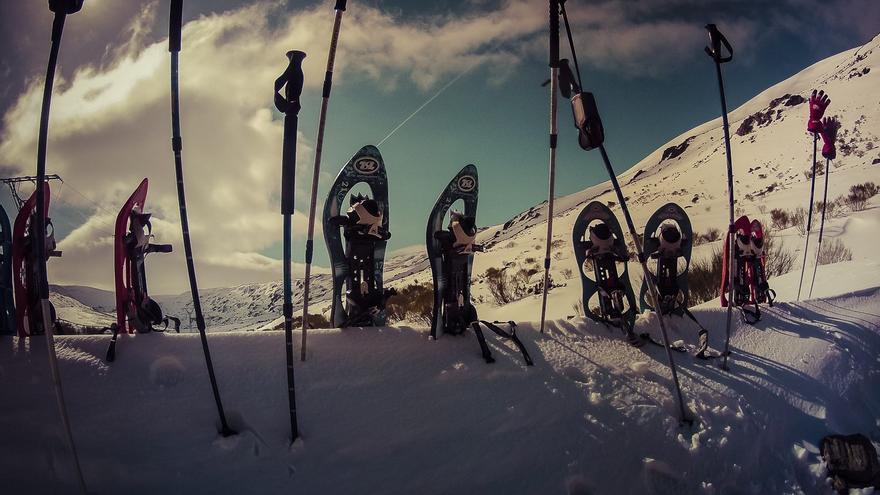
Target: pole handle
{"x":65,"y":6}
{"x":292,"y":82}
{"x":716,"y":40}
{"x":340,"y":5}
{"x":174,"y":26}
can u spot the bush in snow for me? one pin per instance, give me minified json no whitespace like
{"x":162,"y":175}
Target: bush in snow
{"x":578,"y":307}
{"x":834,"y":251}
{"x":315,"y":321}
{"x":779,"y":218}
{"x":506,"y":288}
{"x":859,"y":194}
{"x":704,"y":278}
{"x":798,"y":219}
{"x":413,"y":302}
{"x":567,"y":273}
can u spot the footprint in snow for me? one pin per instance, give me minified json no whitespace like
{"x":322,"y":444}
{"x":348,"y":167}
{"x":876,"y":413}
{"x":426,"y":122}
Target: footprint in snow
{"x":167,"y":371}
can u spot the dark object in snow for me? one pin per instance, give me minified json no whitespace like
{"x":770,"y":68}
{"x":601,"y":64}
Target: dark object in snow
{"x":451,"y":254}
{"x":852,"y":461}
{"x":358,"y":264}
{"x":136,"y":311}
{"x":174,"y":29}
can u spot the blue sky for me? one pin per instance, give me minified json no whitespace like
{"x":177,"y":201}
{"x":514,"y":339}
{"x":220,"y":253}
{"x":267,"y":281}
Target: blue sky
{"x":643,"y":60}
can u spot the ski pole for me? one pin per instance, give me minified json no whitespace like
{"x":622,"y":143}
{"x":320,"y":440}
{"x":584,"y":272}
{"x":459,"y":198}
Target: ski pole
{"x":289,"y":105}
{"x":809,"y":215}
{"x":716,"y":39}
{"x":821,"y":225}
{"x":652,"y":288}
{"x":551,"y":189}
{"x":61,"y":8}
{"x":319,"y":147}
{"x":174,"y":33}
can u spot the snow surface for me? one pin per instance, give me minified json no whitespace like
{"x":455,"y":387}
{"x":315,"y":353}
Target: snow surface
{"x":385,"y":410}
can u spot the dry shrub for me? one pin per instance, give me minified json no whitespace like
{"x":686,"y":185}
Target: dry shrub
{"x":506,"y":288}
{"x":413,"y":302}
{"x":779,"y":218}
{"x":834,"y":251}
{"x":779,"y":260}
{"x":704,"y":278}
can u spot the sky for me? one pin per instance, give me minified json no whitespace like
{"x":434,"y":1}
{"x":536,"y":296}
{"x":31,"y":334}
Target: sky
{"x":110,"y":120}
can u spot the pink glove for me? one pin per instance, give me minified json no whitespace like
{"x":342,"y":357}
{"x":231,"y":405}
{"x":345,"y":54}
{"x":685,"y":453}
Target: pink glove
{"x":830,"y":125}
{"x":818,"y":103}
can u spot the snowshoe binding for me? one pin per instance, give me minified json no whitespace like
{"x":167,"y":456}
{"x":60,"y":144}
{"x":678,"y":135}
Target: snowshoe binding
{"x":359,"y":265}
{"x":750,"y":285}
{"x":136,"y":311}
{"x":451,"y":253}
{"x":599,"y":248}
{"x":28,"y":319}
{"x":667,"y":242}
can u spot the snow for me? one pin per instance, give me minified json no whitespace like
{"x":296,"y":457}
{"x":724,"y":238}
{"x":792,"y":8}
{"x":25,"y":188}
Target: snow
{"x":386,"y":410}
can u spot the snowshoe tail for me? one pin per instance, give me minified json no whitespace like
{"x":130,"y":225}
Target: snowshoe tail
{"x":512,"y":336}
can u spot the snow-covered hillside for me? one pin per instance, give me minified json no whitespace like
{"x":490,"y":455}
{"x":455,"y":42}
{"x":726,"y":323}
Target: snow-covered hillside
{"x":771,"y":150}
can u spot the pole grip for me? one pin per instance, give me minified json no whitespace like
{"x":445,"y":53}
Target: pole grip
{"x":340,"y":5}
{"x":174,"y":26}
{"x":65,"y":6}
{"x":554,"y":33}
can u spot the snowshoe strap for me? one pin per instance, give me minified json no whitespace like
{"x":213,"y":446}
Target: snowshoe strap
{"x":511,"y":335}
{"x":749,"y":316}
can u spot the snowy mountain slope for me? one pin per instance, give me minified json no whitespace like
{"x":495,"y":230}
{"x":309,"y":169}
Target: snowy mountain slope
{"x":771,"y":149}
{"x":385,"y":410}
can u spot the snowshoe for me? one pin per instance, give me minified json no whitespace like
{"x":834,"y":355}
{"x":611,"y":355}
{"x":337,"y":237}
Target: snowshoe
{"x":451,"y":254}
{"x":28,"y":318}
{"x":359,"y":265}
{"x":135,"y":310}
{"x":598,"y":239}
{"x":667,"y":239}
{"x":761,"y":291}
{"x":7,"y":318}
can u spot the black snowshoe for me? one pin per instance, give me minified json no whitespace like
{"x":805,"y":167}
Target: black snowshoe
{"x":597,"y":238}
{"x":358,"y":264}
{"x":362,"y":228}
{"x":667,"y":239}
{"x":451,"y":253}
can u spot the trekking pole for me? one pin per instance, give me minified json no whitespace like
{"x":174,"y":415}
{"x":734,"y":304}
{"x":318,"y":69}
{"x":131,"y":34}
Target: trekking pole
{"x":554,"y":75}
{"x":61,"y":8}
{"x":289,"y":105}
{"x":809,"y":215}
{"x":829,"y":151}
{"x":716,"y":40}
{"x":177,"y":146}
{"x":319,"y":147}
{"x":821,"y":225}
{"x":818,"y":103}
{"x":591,"y":135}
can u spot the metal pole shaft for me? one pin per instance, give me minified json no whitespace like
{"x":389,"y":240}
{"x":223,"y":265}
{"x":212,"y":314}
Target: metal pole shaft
{"x":821,"y":225}
{"x":731,"y":244}
{"x":319,"y":148}
{"x":652,"y":288}
{"x":809,"y":214}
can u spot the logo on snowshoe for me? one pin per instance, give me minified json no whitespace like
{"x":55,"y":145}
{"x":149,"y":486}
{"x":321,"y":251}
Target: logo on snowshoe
{"x":467,"y":183}
{"x":366,"y":166}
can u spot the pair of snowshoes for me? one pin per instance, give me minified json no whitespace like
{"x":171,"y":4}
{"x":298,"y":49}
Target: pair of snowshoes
{"x":136,"y":311}
{"x":359,"y":265}
{"x":28,"y":314}
{"x":451,"y":253}
{"x":750,"y":286}
{"x":602,"y":256}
